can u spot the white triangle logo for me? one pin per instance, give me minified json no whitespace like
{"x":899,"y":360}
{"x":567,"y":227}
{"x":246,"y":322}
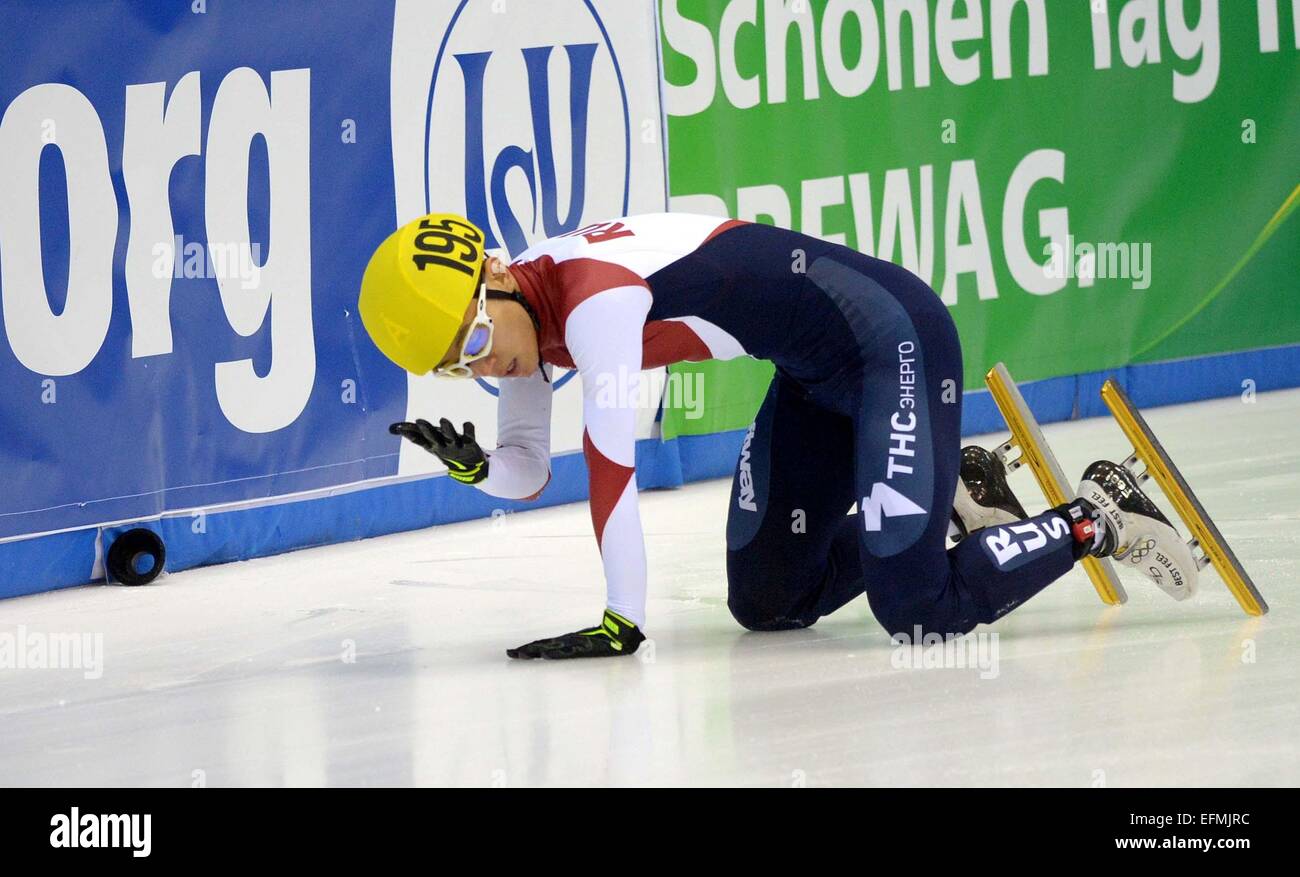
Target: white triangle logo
{"x":885,"y":502}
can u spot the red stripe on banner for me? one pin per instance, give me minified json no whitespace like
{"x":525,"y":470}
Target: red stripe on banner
{"x":607,"y":481}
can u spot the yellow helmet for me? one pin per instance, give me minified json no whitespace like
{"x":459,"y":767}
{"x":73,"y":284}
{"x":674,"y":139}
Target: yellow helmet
{"x":417,"y":287}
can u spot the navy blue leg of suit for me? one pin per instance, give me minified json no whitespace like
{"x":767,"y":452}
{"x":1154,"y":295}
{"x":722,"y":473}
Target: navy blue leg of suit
{"x":888,"y":438}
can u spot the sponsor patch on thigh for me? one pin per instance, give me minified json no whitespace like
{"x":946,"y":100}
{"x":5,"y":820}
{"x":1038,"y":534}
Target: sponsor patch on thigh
{"x":749,"y":490}
{"x":894,"y":444}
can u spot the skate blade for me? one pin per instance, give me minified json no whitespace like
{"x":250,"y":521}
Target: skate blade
{"x":1205,"y":535}
{"x":1027,"y":435}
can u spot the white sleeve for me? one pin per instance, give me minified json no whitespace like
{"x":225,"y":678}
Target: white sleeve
{"x":604,"y":335}
{"x":521,"y":464}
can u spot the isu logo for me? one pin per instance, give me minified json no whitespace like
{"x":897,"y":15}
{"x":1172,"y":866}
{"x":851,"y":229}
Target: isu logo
{"x":527,"y":120}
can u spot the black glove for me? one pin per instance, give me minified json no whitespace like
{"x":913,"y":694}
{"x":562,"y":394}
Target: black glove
{"x":464,"y":459}
{"x":615,"y":636}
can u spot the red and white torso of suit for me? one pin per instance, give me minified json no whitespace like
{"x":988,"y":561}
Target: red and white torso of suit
{"x":593,"y":290}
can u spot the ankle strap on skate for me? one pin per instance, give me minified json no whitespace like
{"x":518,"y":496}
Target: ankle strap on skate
{"x":1081,"y":523}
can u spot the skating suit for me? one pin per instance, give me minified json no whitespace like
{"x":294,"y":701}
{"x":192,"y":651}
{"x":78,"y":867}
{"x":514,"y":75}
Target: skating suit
{"x":845,"y":481}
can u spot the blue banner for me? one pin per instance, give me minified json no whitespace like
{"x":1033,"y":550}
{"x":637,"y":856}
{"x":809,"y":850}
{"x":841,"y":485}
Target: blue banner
{"x":189,"y":194}
{"x":167,"y":363}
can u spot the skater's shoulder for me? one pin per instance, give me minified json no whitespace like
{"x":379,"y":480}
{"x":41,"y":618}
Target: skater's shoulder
{"x":628,"y":238}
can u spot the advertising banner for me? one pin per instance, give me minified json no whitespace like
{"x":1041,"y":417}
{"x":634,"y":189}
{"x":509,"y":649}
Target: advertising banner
{"x":1088,"y":184}
{"x":189,"y":194}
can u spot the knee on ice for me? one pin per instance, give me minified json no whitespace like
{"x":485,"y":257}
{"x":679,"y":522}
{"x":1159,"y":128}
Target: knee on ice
{"x":920,"y":617}
{"x":753,"y":616}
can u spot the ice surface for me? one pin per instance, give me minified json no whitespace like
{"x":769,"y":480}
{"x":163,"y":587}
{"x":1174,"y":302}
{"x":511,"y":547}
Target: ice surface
{"x":239,"y":671}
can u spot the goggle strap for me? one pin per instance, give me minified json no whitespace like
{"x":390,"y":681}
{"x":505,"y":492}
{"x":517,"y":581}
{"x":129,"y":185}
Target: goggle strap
{"x":523,"y":302}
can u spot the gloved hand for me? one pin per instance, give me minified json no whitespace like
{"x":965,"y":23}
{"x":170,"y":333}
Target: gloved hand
{"x":464,"y":459}
{"x":615,"y":636}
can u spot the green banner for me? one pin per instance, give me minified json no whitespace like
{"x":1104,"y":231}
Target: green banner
{"x":1087,"y":184}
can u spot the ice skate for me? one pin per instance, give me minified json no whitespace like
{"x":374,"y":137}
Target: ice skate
{"x":1134,"y":532}
{"x":984,"y":497}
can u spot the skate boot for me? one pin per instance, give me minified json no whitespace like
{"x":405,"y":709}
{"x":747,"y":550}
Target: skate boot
{"x":1133,"y":531}
{"x":983,"y":496}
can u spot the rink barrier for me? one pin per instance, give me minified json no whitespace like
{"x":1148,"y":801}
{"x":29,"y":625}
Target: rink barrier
{"x":75,"y":558}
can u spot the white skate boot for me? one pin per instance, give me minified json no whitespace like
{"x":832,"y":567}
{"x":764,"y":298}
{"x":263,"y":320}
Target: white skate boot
{"x":1134,"y":532}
